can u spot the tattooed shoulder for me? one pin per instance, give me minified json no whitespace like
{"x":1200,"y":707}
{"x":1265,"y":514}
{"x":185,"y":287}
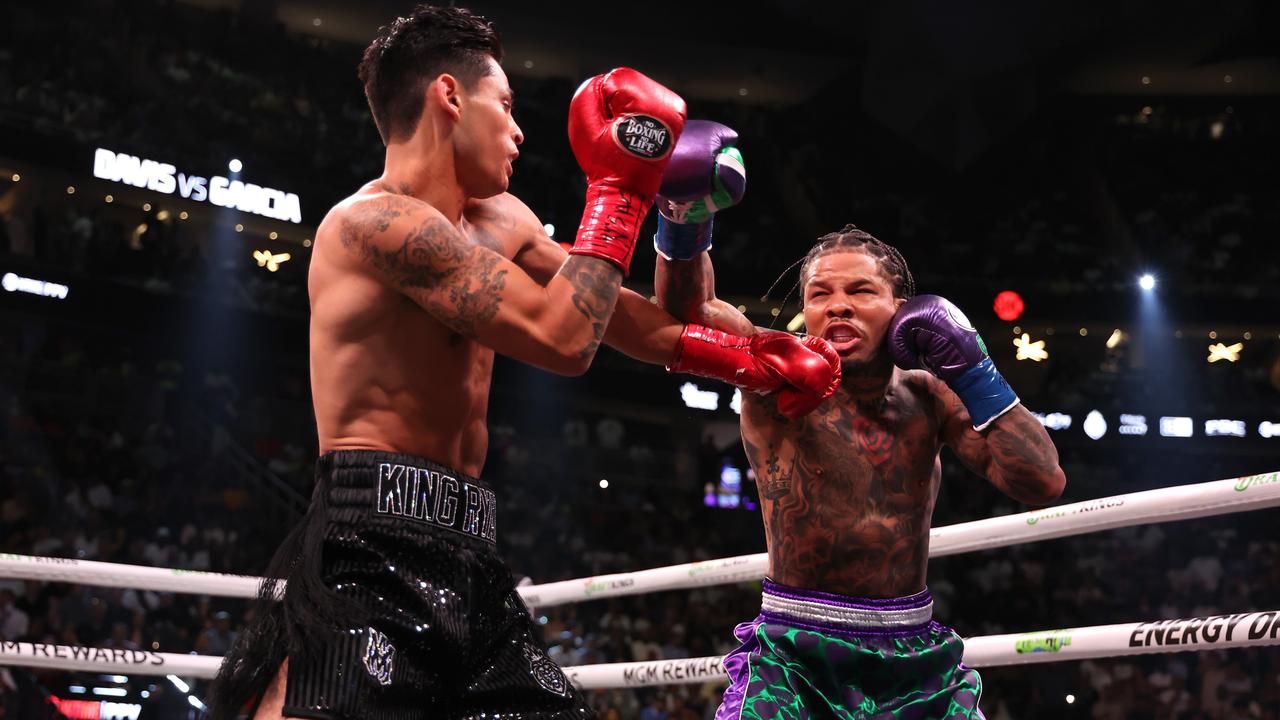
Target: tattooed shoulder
{"x":421,"y":254}
{"x":364,"y":219}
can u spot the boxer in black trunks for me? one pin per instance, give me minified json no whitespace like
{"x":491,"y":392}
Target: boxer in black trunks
{"x":397,"y":605}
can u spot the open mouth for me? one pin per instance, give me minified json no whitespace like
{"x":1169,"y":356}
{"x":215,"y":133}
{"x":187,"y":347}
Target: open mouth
{"x":843,"y":338}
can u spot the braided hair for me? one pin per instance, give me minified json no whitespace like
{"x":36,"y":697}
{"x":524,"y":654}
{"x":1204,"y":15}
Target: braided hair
{"x":850,"y":237}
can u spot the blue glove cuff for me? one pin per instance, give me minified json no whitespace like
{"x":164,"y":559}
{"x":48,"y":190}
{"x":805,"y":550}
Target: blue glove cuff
{"x":985,"y":393}
{"x":675,"y":241}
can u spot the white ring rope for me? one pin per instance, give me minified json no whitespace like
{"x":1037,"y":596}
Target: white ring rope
{"x":1144,"y":638}
{"x":1184,"y":502}
{"x":119,"y":575}
{"x":1252,"y":492}
{"x":1215,"y":632}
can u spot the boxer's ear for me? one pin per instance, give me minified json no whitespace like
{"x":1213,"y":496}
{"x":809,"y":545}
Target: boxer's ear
{"x":446,"y":91}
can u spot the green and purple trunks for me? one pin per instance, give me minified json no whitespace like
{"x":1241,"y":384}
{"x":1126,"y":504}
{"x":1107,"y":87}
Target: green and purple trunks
{"x":815,"y":655}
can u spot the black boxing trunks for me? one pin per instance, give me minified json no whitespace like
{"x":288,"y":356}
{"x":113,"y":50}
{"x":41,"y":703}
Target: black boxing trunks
{"x":397,"y":606}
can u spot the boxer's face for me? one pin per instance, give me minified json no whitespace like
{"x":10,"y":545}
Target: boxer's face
{"x":486,"y":136}
{"x":849,"y":302}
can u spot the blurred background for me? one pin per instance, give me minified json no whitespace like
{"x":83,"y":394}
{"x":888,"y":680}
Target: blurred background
{"x":1033,"y":161}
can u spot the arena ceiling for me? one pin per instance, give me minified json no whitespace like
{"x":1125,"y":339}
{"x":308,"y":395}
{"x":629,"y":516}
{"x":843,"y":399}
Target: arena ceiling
{"x":950,"y":78}
{"x":783,"y":51}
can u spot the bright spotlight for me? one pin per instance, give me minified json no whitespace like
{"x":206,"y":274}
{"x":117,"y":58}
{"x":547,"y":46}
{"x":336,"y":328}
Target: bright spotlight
{"x":604,"y":484}
{"x":1147,"y":281}
{"x":235,"y":165}
{"x":179,"y":683}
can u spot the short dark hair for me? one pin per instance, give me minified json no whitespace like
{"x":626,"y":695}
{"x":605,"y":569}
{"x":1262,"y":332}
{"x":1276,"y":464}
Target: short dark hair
{"x":851,"y":238}
{"x":414,"y":50}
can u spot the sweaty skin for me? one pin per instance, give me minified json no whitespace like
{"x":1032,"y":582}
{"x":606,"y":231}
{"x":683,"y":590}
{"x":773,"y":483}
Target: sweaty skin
{"x":418,"y":278}
{"x":388,"y":375}
{"x":847,"y":492}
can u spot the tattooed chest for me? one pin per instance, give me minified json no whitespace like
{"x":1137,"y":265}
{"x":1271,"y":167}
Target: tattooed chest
{"x":863,"y":467}
{"x":847,"y":501}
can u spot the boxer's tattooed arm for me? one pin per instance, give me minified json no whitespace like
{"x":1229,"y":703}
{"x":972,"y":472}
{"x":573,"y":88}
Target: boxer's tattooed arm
{"x":687,"y":290}
{"x":1027,"y":459}
{"x":596,"y":284}
{"x":463,"y":283}
{"x":1015,"y":454}
{"x":684,"y":287}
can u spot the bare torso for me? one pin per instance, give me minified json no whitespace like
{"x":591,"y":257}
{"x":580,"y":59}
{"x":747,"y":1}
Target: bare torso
{"x":385,"y":374}
{"x":848,"y":491}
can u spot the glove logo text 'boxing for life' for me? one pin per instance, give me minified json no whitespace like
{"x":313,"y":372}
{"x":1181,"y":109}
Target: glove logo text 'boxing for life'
{"x":643,"y":136}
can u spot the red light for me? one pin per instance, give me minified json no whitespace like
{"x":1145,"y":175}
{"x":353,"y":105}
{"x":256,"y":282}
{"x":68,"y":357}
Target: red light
{"x":78,"y":709}
{"x":1009,"y":306}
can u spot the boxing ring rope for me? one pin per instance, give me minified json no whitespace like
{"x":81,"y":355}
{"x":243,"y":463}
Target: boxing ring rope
{"x":1165,"y":504}
{"x":1214,"y":632}
{"x":1251,"y":492}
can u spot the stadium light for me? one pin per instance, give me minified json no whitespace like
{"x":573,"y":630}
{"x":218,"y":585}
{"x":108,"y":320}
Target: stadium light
{"x":111,"y":691}
{"x":1028,"y":350}
{"x":269,"y":260}
{"x":697,"y":398}
{"x":1147,"y":281}
{"x":179,"y":683}
{"x":1176,"y":426}
{"x":1008,"y":306}
{"x":1095,"y":426}
{"x":1225,"y":426}
{"x":1220,"y":351}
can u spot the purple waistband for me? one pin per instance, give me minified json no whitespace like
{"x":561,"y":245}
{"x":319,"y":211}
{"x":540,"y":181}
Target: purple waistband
{"x":844,"y":613}
{"x":918,"y":600}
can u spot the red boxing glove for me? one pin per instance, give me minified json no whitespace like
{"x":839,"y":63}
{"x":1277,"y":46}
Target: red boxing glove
{"x":622,"y":127}
{"x":798,"y":401}
{"x":802,"y":373}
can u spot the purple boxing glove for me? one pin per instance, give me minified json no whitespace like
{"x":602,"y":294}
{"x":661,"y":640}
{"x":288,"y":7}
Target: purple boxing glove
{"x":929,"y":332}
{"x":705,"y":175}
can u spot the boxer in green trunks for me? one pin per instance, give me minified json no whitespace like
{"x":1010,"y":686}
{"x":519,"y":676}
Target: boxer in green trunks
{"x":847,"y":491}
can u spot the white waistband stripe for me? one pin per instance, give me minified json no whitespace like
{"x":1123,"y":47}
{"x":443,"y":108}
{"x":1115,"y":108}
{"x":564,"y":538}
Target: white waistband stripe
{"x":845,"y":617}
